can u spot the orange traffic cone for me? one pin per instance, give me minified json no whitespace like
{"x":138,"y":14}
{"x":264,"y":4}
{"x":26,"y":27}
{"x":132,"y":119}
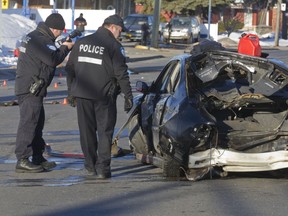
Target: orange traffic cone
{"x":65,"y":101}
{"x":4,"y":83}
{"x":56,"y":85}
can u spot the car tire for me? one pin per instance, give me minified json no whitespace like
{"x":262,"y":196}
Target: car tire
{"x":171,"y":167}
{"x":137,"y":140}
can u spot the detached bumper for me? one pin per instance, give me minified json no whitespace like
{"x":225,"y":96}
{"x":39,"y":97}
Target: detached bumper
{"x":232,"y":161}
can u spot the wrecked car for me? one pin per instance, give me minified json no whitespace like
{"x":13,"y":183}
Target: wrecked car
{"x":212,"y":112}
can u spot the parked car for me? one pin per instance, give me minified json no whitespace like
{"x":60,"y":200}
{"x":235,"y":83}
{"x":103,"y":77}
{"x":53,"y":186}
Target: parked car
{"x":133,"y":24}
{"x":213,"y":112}
{"x":183,"y":28}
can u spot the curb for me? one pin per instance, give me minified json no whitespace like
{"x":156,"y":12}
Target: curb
{"x":145,"y":47}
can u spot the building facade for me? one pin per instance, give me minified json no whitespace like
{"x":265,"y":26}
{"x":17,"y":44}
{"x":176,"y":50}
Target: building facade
{"x":122,"y":7}
{"x":251,"y":17}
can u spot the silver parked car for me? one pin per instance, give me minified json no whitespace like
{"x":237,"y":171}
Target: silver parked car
{"x":182,"y":28}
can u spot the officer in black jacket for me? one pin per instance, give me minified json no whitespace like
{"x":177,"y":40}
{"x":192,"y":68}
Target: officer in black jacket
{"x":35,"y":70}
{"x":95,"y":64}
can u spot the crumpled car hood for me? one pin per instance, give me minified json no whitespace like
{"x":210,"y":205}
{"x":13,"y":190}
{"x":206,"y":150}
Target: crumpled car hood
{"x":263,"y":76}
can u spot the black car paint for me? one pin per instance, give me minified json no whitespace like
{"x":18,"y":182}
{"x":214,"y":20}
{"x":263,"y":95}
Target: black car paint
{"x":222,"y":98}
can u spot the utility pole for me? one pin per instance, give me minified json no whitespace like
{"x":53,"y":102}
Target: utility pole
{"x":1,"y":30}
{"x":54,"y":6}
{"x":209,"y":19}
{"x":276,"y":42}
{"x":73,"y":14}
{"x":284,"y":21}
{"x":25,"y":6}
{"x":155,"y":27}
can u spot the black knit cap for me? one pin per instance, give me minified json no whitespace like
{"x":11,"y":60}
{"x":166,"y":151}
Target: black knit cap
{"x":55,"y":21}
{"x":116,"y":20}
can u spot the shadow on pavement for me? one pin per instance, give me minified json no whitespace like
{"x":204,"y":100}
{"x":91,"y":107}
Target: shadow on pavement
{"x":129,"y":60}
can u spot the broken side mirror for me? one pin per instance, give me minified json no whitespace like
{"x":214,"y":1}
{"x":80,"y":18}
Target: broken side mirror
{"x":142,"y":87}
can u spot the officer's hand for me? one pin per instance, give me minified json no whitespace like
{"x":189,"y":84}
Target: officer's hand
{"x":68,"y":44}
{"x":71,"y":100}
{"x":128,"y":104}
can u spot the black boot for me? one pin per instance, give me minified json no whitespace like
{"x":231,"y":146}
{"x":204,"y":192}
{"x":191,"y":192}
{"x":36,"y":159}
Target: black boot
{"x":40,"y":160}
{"x":25,"y":166}
{"x":103,"y":175}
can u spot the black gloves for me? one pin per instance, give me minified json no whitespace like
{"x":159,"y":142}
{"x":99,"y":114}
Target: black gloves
{"x":114,"y":89}
{"x":71,"y":100}
{"x":128,"y":104}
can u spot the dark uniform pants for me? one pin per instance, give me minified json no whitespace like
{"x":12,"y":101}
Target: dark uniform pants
{"x":96,"y":117}
{"x":29,"y":141}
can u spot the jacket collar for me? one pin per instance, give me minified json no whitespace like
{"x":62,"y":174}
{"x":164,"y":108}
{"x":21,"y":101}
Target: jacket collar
{"x":45,"y":30}
{"x":106,"y":31}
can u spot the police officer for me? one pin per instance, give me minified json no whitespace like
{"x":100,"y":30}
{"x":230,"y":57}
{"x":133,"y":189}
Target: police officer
{"x":80,"y":23}
{"x":35,"y":70}
{"x":96,"y":64}
{"x":145,"y":33}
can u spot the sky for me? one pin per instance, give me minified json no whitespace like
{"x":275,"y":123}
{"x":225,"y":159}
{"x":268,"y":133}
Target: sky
{"x":16,"y":26}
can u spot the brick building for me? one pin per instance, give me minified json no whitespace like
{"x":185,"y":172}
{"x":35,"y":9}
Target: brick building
{"x":251,"y":17}
{"x":122,"y":7}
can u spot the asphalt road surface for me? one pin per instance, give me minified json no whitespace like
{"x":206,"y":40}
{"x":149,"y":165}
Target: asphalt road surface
{"x":134,"y":189}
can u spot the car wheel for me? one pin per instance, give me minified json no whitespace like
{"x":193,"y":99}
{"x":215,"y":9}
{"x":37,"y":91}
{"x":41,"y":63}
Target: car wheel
{"x":137,"y":140}
{"x":171,"y":167}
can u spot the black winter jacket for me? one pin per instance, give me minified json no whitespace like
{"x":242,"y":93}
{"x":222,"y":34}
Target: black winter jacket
{"x":94,"y":60}
{"x":38,"y":57}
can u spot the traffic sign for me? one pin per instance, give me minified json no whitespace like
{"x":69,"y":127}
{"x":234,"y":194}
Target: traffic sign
{"x":5,"y":4}
{"x":283,"y":7}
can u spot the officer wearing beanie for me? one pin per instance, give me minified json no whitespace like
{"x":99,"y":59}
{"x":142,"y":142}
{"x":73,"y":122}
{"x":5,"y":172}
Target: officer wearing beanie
{"x":35,"y":70}
{"x":96,"y":64}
